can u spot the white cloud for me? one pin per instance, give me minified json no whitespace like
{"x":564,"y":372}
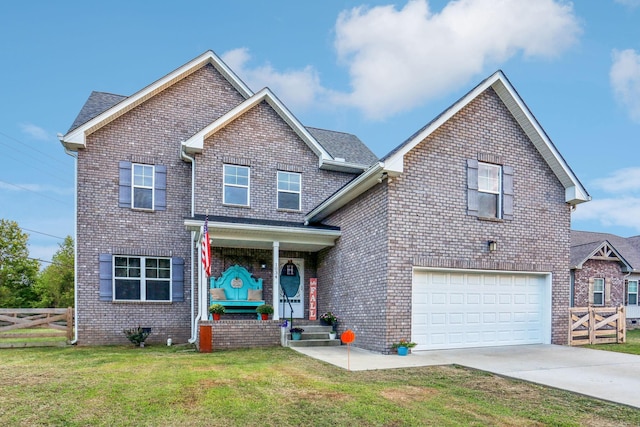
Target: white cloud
{"x":398,"y":59}
{"x":625,"y":180}
{"x":37,"y":188}
{"x":298,"y":89}
{"x":630,"y":3}
{"x":624,"y":212}
{"x":34,"y":131}
{"x":625,"y":80}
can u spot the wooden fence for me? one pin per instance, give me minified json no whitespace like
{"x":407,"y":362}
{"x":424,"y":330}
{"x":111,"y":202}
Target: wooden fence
{"x":597,"y":325}
{"x":41,"y":323}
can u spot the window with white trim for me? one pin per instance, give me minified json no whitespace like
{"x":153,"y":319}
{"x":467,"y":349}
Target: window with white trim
{"x":141,"y":278}
{"x":236,"y":185}
{"x":289,"y":190}
{"x":142,"y":188}
{"x":489,"y":190}
{"x":632,"y":292}
{"x":598,"y":291}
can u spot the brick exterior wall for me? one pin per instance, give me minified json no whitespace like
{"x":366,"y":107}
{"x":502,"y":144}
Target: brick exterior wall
{"x":425,"y":209}
{"x":152,"y":133}
{"x":231,"y":334}
{"x":603,"y":270}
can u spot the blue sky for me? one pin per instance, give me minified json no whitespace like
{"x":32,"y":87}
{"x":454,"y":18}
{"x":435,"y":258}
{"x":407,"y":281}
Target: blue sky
{"x":378,"y":69}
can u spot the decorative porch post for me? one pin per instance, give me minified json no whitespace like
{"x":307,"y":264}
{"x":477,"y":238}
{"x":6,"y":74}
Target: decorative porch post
{"x":276,"y":280}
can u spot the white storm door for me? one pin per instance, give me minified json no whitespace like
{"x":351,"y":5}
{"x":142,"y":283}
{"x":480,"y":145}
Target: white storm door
{"x":291,"y":279}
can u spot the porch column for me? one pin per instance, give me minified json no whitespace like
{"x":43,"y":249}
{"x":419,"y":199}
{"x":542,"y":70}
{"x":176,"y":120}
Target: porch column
{"x":276,"y":280}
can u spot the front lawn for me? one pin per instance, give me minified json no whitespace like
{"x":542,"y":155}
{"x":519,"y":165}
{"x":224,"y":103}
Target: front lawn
{"x":632,"y":345}
{"x":160,"y":386}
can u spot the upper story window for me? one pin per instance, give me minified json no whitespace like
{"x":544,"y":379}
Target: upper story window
{"x":236,"y":185}
{"x":632,"y":292}
{"x":289,"y":190}
{"x":142,"y":187}
{"x":141,"y":278}
{"x":489,"y":190}
{"x":598,"y":292}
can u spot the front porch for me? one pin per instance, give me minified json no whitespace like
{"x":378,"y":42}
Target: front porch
{"x":242,"y":333}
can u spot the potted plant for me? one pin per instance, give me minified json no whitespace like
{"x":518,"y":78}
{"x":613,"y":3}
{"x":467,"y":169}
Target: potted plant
{"x":330,"y":319}
{"x":296,"y":333}
{"x":137,"y":335}
{"x":216,"y":310}
{"x":265,"y":310}
{"x":403,"y":346}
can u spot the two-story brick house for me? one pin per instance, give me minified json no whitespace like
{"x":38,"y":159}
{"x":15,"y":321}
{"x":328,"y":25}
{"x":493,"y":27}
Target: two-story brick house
{"x":459,"y":237}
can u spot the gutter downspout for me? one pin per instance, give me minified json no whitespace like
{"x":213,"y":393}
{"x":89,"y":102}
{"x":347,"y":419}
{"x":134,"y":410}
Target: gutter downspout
{"x":184,"y":156}
{"x":75,"y":240}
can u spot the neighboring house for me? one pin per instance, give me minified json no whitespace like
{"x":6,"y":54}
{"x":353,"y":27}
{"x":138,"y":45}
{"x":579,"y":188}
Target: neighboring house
{"x":605,"y":272}
{"x":459,"y":237}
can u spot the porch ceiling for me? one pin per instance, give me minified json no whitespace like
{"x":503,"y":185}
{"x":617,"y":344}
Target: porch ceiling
{"x":253,"y":234}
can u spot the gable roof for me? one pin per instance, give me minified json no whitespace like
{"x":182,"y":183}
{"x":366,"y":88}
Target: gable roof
{"x":585,"y":244}
{"x":76,"y":137}
{"x":97,"y":103}
{"x":195,"y":144}
{"x":393,"y":163}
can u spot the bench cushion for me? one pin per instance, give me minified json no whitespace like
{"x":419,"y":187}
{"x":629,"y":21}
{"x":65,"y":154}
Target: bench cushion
{"x":218,"y":294}
{"x":254,"y":295}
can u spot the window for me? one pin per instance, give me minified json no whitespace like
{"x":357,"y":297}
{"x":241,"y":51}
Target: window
{"x":141,"y":278}
{"x":236,"y":185}
{"x":489,"y":190}
{"x":142,"y":187}
{"x":598,"y":291}
{"x":288,"y":190}
{"x":632,"y":292}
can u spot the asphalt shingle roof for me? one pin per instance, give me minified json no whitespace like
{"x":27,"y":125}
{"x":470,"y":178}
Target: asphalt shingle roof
{"x":97,"y":103}
{"x":583,"y":243}
{"x":344,"y":145}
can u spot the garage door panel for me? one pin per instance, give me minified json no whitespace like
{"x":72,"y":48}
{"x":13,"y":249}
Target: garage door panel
{"x":460,"y":309}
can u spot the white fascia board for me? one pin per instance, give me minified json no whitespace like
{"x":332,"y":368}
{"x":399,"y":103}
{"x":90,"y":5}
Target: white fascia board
{"x":77,"y":137}
{"x":195,"y":144}
{"x":575,"y":193}
{"x":395,"y":163}
{"x":340,"y":166}
{"x":349,"y":192}
{"x":299,"y":234}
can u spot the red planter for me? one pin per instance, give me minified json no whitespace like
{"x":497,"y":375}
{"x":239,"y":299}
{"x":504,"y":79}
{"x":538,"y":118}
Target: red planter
{"x":216,"y":316}
{"x":264,"y":316}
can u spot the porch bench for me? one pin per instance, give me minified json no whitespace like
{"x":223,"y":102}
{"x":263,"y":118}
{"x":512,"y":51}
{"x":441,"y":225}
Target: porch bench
{"x":237,"y":290}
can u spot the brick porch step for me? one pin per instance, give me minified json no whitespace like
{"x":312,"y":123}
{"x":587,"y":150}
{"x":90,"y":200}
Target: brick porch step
{"x":314,"y":343}
{"x":314,"y":336}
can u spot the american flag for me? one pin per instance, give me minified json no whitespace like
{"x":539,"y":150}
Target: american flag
{"x":206,"y":249}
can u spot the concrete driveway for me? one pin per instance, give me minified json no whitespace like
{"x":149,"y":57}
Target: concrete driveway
{"x":601,"y":374}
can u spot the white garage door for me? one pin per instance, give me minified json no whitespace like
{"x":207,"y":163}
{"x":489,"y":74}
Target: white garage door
{"x":458,"y":309}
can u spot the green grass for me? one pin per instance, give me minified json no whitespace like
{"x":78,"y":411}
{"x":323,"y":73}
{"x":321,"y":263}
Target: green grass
{"x":8,"y":336}
{"x":161,"y":386}
{"x":632,"y":346}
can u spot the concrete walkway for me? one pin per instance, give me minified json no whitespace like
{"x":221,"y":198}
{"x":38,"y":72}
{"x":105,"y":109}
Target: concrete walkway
{"x":601,"y":374}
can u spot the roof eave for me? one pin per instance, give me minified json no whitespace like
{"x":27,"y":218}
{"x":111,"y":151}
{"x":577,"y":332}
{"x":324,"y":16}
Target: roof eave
{"x":77,"y":137}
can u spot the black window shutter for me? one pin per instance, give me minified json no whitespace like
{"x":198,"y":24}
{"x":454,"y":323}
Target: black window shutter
{"x":507,"y":190}
{"x":472,"y":187}
{"x":106,"y":283}
{"x":124,"y":196}
{"x":177,"y":279}
{"x":160,"y":188}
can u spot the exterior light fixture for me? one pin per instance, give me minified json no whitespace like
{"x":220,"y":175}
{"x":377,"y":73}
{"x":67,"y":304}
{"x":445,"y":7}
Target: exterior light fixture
{"x":493,"y":245}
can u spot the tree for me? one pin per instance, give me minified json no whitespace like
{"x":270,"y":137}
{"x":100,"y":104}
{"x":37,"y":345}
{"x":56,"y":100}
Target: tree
{"x":55,"y":284}
{"x":18,"y":273}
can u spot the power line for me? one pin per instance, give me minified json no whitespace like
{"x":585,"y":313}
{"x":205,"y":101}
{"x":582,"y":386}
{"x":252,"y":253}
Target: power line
{"x":31,"y":148}
{"x":34,"y":192}
{"x":44,"y":234}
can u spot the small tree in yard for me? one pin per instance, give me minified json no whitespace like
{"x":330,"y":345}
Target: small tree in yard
{"x":18,"y":273}
{"x":55,"y":283}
